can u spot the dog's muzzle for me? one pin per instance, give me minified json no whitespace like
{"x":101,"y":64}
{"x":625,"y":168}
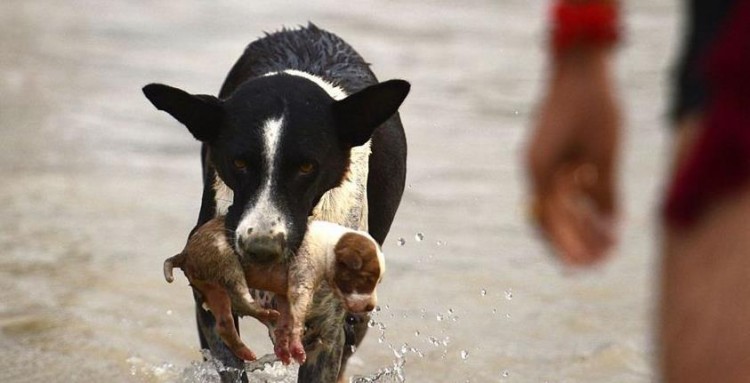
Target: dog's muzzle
{"x":262,"y":249}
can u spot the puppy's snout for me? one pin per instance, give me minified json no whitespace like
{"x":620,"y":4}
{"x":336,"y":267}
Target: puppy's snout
{"x":263,"y":248}
{"x":360,"y":303}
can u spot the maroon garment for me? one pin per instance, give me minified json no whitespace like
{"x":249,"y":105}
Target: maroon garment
{"x":719,"y":163}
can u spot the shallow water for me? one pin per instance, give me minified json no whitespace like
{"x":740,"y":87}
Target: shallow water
{"x":99,"y":188}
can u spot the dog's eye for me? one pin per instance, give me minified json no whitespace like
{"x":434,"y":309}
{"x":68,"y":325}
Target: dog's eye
{"x":307,"y":168}
{"x":240,"y":164}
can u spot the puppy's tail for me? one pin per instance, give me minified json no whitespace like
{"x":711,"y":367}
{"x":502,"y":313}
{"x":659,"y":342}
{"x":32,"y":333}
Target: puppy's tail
{"x":172,"y":262}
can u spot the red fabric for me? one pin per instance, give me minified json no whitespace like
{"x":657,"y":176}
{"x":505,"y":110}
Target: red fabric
{"x":583,"y":24}
{"x":720,"y":160}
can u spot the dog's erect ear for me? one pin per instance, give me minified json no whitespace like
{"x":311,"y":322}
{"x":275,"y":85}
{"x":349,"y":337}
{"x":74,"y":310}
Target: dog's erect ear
{"x":358,"y":115}
{"x":200,"y":113}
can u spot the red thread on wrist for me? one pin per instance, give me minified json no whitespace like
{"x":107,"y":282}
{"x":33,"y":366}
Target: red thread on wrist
{"x":577,"y":25}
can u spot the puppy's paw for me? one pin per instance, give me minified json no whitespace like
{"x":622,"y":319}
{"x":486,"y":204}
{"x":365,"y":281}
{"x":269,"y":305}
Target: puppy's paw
{"x":297,"y":350}
{"x":244,"y":353}
{"x":267,"y":315}
{"x":258,"y":312}
{"x":281,"y":345}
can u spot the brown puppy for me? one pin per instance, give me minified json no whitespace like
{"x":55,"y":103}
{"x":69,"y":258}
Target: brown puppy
{"x":213,"y":269}
{"x":349,"y":261}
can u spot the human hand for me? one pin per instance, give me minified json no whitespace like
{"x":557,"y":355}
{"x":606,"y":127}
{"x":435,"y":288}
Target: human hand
{"x":572,"y":156}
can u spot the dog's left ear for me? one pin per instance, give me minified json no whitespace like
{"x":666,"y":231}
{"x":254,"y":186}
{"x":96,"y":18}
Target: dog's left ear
{"x":200,"y":113}
{"x":358,"y":115}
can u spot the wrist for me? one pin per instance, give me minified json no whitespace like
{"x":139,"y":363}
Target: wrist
{"x":586,"y":61}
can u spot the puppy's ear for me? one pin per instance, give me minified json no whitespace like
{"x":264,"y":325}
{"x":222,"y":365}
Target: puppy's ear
{"x":358,"y":115}
{"x":348,"y":253}
{"x":201,"y":114}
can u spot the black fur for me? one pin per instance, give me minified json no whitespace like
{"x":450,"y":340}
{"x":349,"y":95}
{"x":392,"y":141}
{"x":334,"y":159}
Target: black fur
{"x":317,"y":130}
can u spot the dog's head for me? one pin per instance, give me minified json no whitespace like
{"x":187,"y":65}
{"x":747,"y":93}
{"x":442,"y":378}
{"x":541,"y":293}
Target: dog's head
{"x":358,"y":269}
{"x":279,"y":142}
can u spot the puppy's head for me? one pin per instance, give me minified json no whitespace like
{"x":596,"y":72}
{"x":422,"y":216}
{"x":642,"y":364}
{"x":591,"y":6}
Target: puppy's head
{"x":359,"y":268}
{"x":279,"y":142}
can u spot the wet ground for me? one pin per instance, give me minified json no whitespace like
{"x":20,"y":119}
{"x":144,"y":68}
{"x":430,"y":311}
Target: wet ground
{"x":98,"y":188}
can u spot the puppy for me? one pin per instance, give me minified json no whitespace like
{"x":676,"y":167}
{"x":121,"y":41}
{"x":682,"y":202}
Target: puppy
{"x":349,"y":261}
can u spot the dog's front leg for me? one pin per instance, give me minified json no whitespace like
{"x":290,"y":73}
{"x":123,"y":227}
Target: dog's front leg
{"x":232,"y":368}
{"x":324,"y":339}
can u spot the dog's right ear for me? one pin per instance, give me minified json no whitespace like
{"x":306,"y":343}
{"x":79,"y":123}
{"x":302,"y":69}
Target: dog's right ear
{"x":201,"y":114}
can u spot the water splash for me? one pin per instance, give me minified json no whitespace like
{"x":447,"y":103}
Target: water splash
{"x":401,"y":242}
{"x":419,"y":237}
{"x":266,"y":369}
{"x":393,"y":374}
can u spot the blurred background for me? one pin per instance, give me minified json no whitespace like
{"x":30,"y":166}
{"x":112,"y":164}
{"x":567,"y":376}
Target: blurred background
{"x":98,"y":188}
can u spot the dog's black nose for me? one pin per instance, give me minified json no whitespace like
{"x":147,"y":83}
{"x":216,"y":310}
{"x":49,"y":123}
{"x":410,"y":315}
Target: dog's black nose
{"x":264,"y":249}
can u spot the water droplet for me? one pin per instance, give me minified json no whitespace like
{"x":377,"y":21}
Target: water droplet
{"x":450,"y":311}
{"x":401,"y":242}
{"x":377,"y":309}
{"x":464,"y":354}
{"x":494,"y":311}
{"x":505,"y":374}
{"x":439,"y":317}
{"x":169,"y":312}
{"x":508,"y":294}
{"x":446,"y":341}
{"x":516,"y":113}
{"x":405,"y":348}
{"x":439,"y":243}
{"x":397,"y":354}
{"x":483,"y":292}
{"x":419,"y":237}
{"x":353,"y":348}
{"x":416,"y":333}
{"x":434,"y":341}
{"x":371,"y":323}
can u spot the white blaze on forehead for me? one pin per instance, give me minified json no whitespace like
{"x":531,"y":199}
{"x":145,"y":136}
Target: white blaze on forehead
{"x":265,"y":216}
{"x":347,"y":203}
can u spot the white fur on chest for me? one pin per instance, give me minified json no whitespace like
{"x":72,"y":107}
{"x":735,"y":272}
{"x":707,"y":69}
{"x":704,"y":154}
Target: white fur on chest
{"x":346,"y":204}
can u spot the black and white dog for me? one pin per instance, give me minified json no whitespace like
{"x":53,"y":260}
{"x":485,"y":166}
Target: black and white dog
{"x":301,"y":130}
